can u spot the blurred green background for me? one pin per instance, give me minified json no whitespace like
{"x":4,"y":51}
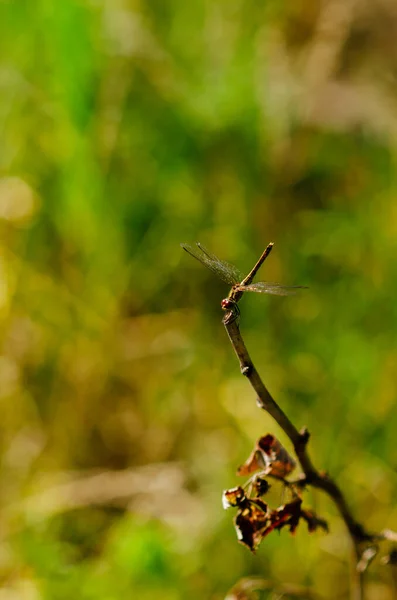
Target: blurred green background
{"x":128,"y":127}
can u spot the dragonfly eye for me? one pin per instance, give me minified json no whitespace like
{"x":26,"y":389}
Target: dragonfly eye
{"x":226,"y":303}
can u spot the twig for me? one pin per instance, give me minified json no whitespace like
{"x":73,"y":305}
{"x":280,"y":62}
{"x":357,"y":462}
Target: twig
{"x":364,"y":542}
{"x":299,"y":439}
{"x":360,"y":537}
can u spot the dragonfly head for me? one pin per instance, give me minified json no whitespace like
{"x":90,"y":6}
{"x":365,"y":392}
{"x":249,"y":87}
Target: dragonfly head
{"x":227,"y":304}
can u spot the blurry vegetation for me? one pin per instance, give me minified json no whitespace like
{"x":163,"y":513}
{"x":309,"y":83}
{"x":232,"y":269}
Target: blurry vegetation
{"x":129,"y":127}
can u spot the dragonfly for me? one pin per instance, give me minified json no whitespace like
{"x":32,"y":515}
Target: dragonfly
{"x":239,"y":284}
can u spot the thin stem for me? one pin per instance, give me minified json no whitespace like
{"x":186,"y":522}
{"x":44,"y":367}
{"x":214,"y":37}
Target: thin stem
{"x":248,"y":279}
{"x":362,"y":540}
{"x":322,"y":481}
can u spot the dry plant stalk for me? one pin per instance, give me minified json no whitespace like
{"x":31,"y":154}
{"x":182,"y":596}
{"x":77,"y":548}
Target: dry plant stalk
{"x":364,"y":542}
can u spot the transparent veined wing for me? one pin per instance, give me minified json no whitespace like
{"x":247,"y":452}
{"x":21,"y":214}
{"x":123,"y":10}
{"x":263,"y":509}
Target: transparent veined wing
{"x":228,"y":273}
{"x":264,"y":287}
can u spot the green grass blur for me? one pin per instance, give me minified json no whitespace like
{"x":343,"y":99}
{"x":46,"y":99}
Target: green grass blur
{"x":129,"y":127}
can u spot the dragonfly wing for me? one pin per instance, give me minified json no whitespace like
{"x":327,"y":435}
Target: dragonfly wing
{"x":228,"y":273}
{"x":264,"y":287}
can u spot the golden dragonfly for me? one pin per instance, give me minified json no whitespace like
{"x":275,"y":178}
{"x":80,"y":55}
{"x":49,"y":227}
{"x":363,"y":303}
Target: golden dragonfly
{"x":239,"y":284}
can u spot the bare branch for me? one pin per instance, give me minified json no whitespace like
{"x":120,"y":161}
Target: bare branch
{"x":363,"y":541}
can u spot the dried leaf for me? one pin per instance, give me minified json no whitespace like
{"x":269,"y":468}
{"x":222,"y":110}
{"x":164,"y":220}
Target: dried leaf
{"x":278,"y":462}
{"x":260,"y":486}
{"x":268,"y":456}
{"x":250,"y":521}
{"x":254,"y":463}
{"x":233,"y":497}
